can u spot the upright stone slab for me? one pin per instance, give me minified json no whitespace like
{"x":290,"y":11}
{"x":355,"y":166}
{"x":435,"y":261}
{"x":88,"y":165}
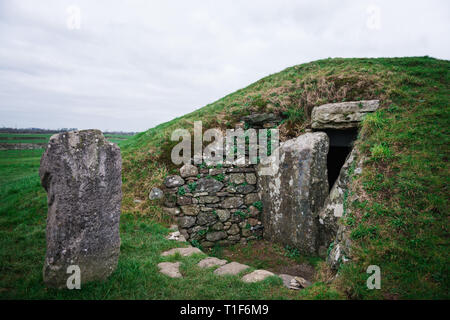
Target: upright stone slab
{"x":293,"y":196}
{"x":81,"y":173}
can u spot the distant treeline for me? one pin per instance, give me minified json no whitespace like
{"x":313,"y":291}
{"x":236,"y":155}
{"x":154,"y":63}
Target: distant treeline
{"x":44,"y":131}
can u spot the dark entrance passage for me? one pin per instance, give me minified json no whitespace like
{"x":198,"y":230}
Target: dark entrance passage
{"x":335,"y":161}
{"x":341,"y":142}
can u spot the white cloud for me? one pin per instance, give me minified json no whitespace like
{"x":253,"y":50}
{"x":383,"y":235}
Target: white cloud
{"x":135,"y":64}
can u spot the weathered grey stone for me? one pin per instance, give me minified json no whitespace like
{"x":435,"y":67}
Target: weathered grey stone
{"x":223,"y":214}
{"x":184,"y":233}
{"x":246,"y":232}
{"x":211,"y":262}
{"x":155,"y":194}
{"x":188,"y":170}
{"x":234,"y":229}
{"x":183,"y":200}
{"x":232,"y":268}
{"x":343,"y":115}
{"x":200,"y":194}
{"x":171,"y":269}
{"x":250,"y":178}
{"x":185,"y":252}
{"x":340,"y":249}
{"x":205,"y":218}
{"x":81,"y":173}
{"x":208,"y":185}
{"x":257,"y":275}
{"x":237,"y":178}
{"x":176,"y":235}
{"x":293,"y":196}
{"x":287,"y":280}
{"x":235,"y":237}
{"x":214,"y":172}
{"x":245,"y":188}
{"x":217,"y":226}
{"x":215,"y":236}
{"x":333,"y":208}
{"x":186,"y":221}
{"x":208,"y":199}
{"x":171,"y":211}
{"x":173,"y":181}
{"x":232,"y":202}
{"x":207,"y":244}
{"x":303,"y":282}
{"x":190,"y":210}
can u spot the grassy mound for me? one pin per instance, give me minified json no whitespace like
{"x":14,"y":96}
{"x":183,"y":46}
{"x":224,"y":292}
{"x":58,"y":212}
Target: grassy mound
{"x":401,"y":220}
{"x":399,"y":223}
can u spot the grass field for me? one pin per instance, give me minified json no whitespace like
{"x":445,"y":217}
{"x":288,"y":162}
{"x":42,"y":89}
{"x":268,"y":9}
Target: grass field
{"x":400,"y":222}
{"x":13,"y":138}
{"x":22,"y":248}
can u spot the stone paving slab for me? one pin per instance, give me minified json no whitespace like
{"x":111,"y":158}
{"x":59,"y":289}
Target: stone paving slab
{"x":257,"y":275}
{"x":294,"y":282}
{"x":170,"y":269}
{"x":211,"y":262}
{"x":177,"y":236}
{"x":185,"y":252}
{"x":232,"y":268}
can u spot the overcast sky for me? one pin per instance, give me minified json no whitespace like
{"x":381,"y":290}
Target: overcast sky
{"x":130,"y":65}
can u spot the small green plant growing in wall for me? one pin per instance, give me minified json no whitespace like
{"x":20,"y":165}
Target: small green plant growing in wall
{"x":241,"y":214}
{"x":192,"y":186}
{"x":181,"y":191}
{"x":291,"y":252}
{"x":196,"y":244}
{"x":220,"y":177}
{"x":258,"y":205}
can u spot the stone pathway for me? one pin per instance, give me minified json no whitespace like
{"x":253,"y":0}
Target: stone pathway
{"x":184,"y":252}
{"x":171,"y":269}
{"x":257,"y":275}
{"x":232,"y":268}
{"x":177,"y":236}
{"x":211,"y":262}
{"x":294,"y":283}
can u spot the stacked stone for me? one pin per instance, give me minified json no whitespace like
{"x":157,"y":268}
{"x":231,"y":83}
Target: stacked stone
{"x":214,"y":204}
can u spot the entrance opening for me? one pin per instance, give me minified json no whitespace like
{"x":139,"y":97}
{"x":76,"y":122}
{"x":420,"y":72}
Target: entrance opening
{"x":335,"y":161}
{"x":341,"y":142}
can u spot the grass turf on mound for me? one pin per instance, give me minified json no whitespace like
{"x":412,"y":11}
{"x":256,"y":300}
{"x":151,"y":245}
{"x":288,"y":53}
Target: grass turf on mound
{"x":399,"y":223}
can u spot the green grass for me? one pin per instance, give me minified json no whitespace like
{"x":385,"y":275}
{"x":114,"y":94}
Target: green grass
{"x":12,"y":138}
{"x":403,"y":224}
{"x":22,"y":249}
{"x":400,"y":221}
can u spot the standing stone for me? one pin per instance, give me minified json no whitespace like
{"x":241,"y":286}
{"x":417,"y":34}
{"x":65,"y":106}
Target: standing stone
{"x":293,"y":196}
{"x":81,"y":173}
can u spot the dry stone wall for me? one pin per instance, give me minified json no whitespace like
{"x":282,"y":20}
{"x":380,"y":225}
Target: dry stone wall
{"x":215,"y":204}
